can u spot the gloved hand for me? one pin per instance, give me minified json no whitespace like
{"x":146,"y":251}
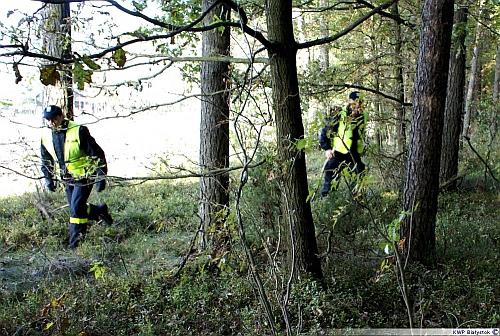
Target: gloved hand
{"x":49,"y":184}
{"x":101,"y":185}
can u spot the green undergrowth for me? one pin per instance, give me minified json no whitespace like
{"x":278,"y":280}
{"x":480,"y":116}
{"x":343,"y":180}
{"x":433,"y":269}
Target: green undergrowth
{"x":126,"y":279}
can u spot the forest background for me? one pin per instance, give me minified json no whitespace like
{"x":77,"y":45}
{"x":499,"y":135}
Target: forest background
{"x":228,"y":236}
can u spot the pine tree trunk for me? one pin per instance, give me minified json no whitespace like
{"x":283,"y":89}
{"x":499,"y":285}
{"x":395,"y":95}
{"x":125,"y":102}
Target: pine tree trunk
{"x":214,"y":124}
{"x":454,"y":102}
{"x":297,"y":227}
{"x":422,"y":180}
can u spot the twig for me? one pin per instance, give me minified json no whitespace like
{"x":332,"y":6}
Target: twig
{"x":453,"y":179}
{"x":319,"y":184}
{"x":403,"y":284}
{"x":7,"y":249}
{"x":124,"y":265}
{"x":191,"y":245}
{"x":487,"y":166}
{"x":18,"y":332}
{"x":45,"y":212}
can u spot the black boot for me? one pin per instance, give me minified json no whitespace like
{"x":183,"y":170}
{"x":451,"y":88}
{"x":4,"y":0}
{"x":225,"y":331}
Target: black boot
{"x":104,"y":214}
{"x":77,"y":233}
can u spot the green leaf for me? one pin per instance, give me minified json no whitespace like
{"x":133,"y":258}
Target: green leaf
{"x":496,"y":2}
{"x":120,"y":57}
{"x":139,"y":6}
{"x":99,"y":269}
{"x":301,"y":144}
{"x":90,"y":63}
{"x":81,"y":75}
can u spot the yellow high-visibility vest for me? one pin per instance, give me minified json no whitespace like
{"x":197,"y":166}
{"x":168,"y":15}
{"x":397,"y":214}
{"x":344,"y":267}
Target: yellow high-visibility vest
{"x":342,"y":140}
{"x":77,"y":162}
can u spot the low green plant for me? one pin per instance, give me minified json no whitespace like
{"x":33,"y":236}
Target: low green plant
{"x":214,"y":292}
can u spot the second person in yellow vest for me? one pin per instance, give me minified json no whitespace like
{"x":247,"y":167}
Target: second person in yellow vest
{"x":342,"y":140}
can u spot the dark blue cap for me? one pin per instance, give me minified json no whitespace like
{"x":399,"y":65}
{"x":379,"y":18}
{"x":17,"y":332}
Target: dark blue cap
{"x":354,"y":95}
{"x":51,"y":112}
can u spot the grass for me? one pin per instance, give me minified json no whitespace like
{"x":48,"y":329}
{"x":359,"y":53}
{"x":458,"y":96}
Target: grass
{"x":121,"y":280}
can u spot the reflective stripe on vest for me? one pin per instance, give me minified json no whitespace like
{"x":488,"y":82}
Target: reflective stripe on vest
{"x":78,"y":163}
{"x":343,"y":139}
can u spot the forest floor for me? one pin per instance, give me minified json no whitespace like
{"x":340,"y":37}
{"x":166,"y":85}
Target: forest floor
{"x":143,"y":276}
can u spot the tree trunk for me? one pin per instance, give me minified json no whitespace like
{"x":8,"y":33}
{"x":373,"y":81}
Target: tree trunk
{"x":57,"y":42}
{"x":472,"y":75}
{"x":454,"y":101}
{"x":376,"y":73}
{"x":422,"y":180}
{"x":496,"y":84}
{"x":214,"y":125}
{"x":325,"y":48}
{"x":298,"y":226}
{"x":400,"y":89}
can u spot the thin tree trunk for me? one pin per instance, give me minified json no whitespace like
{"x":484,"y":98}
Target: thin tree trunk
{"x":57,"y":42}
{"x":496,"y":84}
{"x":400,"y":88}
{"x":454,"y":102}
{"x":324,"y":48}
{"x":380,"y":125}
{"x":297,"y":226}
{"x":422,"y":179}
{"x":472,"y":76}
{"x":214,"y":124}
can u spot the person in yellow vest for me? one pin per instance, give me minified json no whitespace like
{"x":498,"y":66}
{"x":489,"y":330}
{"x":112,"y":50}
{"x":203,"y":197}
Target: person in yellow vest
{"x":71,"y":155}
{"x":342,"y":140}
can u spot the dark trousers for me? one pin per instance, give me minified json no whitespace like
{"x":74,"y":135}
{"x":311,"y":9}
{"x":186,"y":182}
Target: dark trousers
{"x":339,"y":162}
{"x":78,"y":193}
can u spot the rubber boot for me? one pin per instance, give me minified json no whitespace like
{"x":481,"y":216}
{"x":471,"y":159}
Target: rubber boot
{"x":100,"y":213}
{"x":77,"y":233}
{"x":104,"y":214}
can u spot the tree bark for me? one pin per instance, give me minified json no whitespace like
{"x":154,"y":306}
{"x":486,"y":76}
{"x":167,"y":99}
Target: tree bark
{"x":454,"y":102}
{"x":214,"y":124}
{"x":422,"y":180}
{"x":57,"y":42}
{"x":298,"y":226}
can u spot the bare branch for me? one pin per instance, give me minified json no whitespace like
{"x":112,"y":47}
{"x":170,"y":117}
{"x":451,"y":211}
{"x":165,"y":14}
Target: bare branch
{"x":487,"y":166}
{"x":375,"y":10}
{"x":396,"y":18}
{"x":331,"y":87}
{"x":176,"y":30}
{"x":43,"y":209}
